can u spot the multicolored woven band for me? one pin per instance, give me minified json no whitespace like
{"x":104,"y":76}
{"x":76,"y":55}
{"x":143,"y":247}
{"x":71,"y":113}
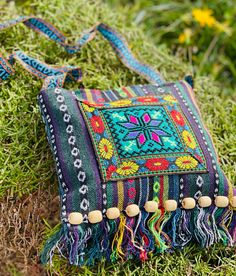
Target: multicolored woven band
{"x":64,"y":74}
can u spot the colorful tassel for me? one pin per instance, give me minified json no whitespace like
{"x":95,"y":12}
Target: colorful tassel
{"x":139,"y":237}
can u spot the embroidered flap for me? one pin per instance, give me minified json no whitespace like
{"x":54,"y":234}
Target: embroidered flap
{"x":142,"y":136}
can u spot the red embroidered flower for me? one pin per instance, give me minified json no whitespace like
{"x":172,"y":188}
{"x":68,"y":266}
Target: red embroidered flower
{"x":148,"y":99}
{"x":131,"y":192}
{"x":177,"y":117}
{"x":157,"y":164}
{"x":110,"y":170}
{"x":97,"y":124}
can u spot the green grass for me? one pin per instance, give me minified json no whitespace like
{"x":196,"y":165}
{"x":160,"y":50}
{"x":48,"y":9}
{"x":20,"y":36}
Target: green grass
{"x":210,"y":49}
{"x":26,"y":161}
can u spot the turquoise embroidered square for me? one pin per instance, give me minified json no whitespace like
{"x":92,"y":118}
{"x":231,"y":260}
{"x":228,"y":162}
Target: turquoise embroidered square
{"x":142,"y":137}
{"x":140,"y":131}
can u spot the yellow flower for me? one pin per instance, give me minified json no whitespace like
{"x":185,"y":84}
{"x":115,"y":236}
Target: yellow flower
{"x":189,"y":139}
{"x":121,"y":102}
{"x":185,"y":36}
{"x":88,"y":108}
{"x":170,"y":98}
{"x":186,"y":162}
{"x":204,"y":17}
{"x":127,"y":168}
{"x":105,"y":148}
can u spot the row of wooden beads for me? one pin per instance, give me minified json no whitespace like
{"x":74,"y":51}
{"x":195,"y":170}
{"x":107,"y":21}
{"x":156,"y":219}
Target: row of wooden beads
{"x":151,"y":207}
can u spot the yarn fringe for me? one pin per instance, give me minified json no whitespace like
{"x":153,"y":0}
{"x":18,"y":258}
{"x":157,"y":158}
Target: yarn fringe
{"x":139,"y":237}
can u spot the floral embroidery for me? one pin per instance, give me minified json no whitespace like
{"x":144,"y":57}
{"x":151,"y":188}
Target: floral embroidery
{"x":131,"y":192}
{"x":198,"y":157}
{"x":177,"y":117}
{"x":142,"y":136}
{"x":127,"y":168}
{"x":186,"y":162}
{"x":188,"y":139}
{"x":110,"y":170}
{"x":121,"y":102}
{"x":170,"y":98}
{"x":147,"y":100}
{"x":157,"y":164}
{"x":105,"y":148}
{"x":97,"y":124}
{"x":88,"y":108}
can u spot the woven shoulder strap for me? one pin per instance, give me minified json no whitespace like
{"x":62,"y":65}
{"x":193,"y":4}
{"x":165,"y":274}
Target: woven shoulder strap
{"x":57,"y":76}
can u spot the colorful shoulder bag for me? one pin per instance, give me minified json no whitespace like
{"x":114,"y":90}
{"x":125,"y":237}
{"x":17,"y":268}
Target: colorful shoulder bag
{"x":137,"y":170}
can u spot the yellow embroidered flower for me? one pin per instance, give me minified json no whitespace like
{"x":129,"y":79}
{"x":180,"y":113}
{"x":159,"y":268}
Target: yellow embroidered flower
{"x":189,"y":139}
{"x":121,"y":102}
{"x":186,"y":162}
{"x":185,"y":36}
{"x":170,"y":98}
{"x":204,"y":17}
{"x":105,"y":148}
{"x":88,"y":108}
{"x":127,"y":168}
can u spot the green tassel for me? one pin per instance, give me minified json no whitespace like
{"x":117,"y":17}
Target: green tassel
{"x":155,"y":224}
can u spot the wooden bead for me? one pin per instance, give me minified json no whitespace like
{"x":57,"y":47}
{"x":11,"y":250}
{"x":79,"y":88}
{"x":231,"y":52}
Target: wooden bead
{"x":95,"y":216}
{"x":113,"y":213}
{"x":188,"y":203}
{"x":75,"y":218}
{"x":221,"y":201}
{"x":151,"y":206}
{"x":132,"y":210}
{"x":233,"y":202}
{"x":204,"y":201}
{"x":170,"y":205}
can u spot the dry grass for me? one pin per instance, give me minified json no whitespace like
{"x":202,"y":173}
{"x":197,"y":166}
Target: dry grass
{"x":21,"y":231}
